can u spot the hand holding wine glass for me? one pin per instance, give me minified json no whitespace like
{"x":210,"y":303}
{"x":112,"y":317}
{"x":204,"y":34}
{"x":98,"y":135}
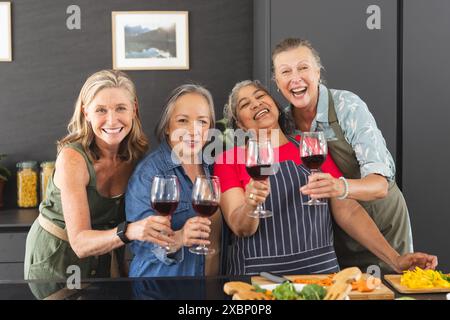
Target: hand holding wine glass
{"x":165,"y":195}
{"x":313,"y":152}
{"x":259,"y":163}
{"x":205,"y":201}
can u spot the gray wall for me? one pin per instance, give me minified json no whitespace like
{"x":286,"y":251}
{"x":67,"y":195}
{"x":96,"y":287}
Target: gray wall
{"x":426,"y":133}
{"x":355,"y":58}
{"x":407,"y":94}
{"x":50,"y":64}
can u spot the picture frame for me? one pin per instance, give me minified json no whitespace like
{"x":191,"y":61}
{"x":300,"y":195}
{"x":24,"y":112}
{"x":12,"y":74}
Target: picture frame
{"x":150,"y":40}
{"x":5,"y":32}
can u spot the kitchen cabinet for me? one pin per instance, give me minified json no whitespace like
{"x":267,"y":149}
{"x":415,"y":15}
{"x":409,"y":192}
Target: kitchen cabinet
{"x":14,"y":226}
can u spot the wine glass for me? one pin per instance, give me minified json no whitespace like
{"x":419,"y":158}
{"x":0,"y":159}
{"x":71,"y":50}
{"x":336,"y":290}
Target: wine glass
{"x":313,"y":151}
{"x":165,"y":195}
{"x":205,"y":201}
{"x":259,"y":163}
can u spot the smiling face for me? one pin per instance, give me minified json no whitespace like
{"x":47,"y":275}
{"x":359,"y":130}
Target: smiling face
{"x":297,"y":76}
{"x":189,"y":124}
{"x":110,"y":114}
{"x":256,"y":109}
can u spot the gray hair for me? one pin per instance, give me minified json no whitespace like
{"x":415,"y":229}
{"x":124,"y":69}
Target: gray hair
{"x":178,"y":92}
{"x":230,"y":109}
{"x":293,"y":43}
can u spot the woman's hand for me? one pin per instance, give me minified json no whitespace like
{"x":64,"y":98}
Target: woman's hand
{"x":156,"y":229}
{"x":323,"y":185}
{"x":256,"y":192}
{"x":418,"y":259}
{"x":195,"y":231}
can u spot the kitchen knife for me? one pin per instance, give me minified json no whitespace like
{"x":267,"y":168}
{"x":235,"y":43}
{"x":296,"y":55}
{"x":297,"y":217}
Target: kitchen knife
{"x":274,"y":278}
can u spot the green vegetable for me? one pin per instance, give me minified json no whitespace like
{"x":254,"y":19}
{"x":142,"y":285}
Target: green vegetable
{"x":444,"y":276}
{"x":286,"y":291}
{"x":313,"y":292}
{"x":259,"y":289}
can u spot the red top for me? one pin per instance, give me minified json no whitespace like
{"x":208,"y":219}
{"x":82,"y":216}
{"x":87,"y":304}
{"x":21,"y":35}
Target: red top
{"x":230,"y":165}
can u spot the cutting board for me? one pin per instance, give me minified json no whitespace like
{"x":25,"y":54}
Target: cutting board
{"x":394,"y":280}
{"x":382,"y":293}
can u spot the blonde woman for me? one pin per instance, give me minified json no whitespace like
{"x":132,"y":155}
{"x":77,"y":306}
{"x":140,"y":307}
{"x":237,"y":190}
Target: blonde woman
{"x":82,"y":221}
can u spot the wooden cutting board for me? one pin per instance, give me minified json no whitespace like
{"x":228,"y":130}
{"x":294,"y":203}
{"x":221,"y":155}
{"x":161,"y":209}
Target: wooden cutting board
{"x":394,"y":280}
{"x":382,"y":293}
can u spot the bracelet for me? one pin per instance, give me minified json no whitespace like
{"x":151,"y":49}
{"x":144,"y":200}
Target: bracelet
{"x":345,"y":189}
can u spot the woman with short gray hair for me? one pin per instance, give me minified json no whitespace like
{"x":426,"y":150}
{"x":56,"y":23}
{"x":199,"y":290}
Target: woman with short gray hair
{"x":182,"y":132}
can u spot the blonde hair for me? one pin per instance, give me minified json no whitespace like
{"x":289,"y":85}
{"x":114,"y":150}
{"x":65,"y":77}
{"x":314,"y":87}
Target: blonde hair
{"x":135,"y":144}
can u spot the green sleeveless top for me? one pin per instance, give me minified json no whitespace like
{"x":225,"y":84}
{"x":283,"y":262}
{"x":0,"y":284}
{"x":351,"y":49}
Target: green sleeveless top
{"x":106,"y":213}
{"x":47,"y":257}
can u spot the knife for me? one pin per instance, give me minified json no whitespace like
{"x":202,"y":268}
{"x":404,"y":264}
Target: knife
{"x":274,"y":278}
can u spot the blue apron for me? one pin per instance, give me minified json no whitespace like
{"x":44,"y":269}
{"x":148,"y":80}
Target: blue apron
{"x":298,"y":239}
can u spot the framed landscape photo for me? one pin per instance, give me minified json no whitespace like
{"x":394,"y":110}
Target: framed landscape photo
{"x":150,"y":40}
{"x":5,"y":31}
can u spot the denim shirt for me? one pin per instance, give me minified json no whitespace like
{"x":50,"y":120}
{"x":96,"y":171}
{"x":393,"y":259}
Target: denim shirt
{"x":359,"y":128}
{"x":149,"y":260}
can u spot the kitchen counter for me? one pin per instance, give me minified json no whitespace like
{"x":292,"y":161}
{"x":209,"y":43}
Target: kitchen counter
{"x":170,"y":288}
{"x":17,"y":219}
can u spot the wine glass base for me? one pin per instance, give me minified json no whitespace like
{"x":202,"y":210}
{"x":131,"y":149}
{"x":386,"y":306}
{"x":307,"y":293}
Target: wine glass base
{"x":202,"y":250}
{"x":261,"y":214}
{"x":315,"y":203}
{"x":168,"y":249}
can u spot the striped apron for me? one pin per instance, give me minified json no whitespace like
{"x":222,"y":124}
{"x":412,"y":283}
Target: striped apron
{"x":298,"y":239}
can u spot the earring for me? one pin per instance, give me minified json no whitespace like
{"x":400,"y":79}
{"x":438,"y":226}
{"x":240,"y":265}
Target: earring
{"x":278,"y":89}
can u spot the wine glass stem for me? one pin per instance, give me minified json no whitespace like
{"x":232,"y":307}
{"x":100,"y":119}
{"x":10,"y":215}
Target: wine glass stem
{"x":313,"y":171}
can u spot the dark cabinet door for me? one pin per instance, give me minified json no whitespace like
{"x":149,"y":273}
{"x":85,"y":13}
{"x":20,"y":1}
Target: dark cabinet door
{"x":355,"y":57}
{"x":426,"y":133}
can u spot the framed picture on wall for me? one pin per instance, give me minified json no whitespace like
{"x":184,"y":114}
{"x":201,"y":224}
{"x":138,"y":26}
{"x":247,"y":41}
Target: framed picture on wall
{"x":5,"y":31}
{"x":150,"y":40}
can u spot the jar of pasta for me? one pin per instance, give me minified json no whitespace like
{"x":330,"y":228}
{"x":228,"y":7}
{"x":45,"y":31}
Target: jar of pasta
{"x":47,"y":168}
{"x":27,"y":184}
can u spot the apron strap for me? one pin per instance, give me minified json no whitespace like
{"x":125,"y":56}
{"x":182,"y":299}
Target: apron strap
{"x":342,"y":152}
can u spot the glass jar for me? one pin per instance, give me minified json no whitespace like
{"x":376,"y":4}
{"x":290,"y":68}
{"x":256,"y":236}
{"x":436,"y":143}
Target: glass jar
{"x":47,"y":168}
{"x":27,"y":184}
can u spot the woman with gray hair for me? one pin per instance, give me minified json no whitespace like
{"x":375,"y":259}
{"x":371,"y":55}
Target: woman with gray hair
{"x":354,"y":141}
{"x":297,"y":239}
{"x":182,"y":132}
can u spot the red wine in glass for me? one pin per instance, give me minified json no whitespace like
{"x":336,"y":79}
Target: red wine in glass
{"x":259,"y":172}
{"x":314,"y":162}
{"x":313,"y":152}
{"x":205,"y":201}
{"x":164,"y":197}
{"x":258,"y":163}
{"x":165,"y":208}
{"x":205,"y":208}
